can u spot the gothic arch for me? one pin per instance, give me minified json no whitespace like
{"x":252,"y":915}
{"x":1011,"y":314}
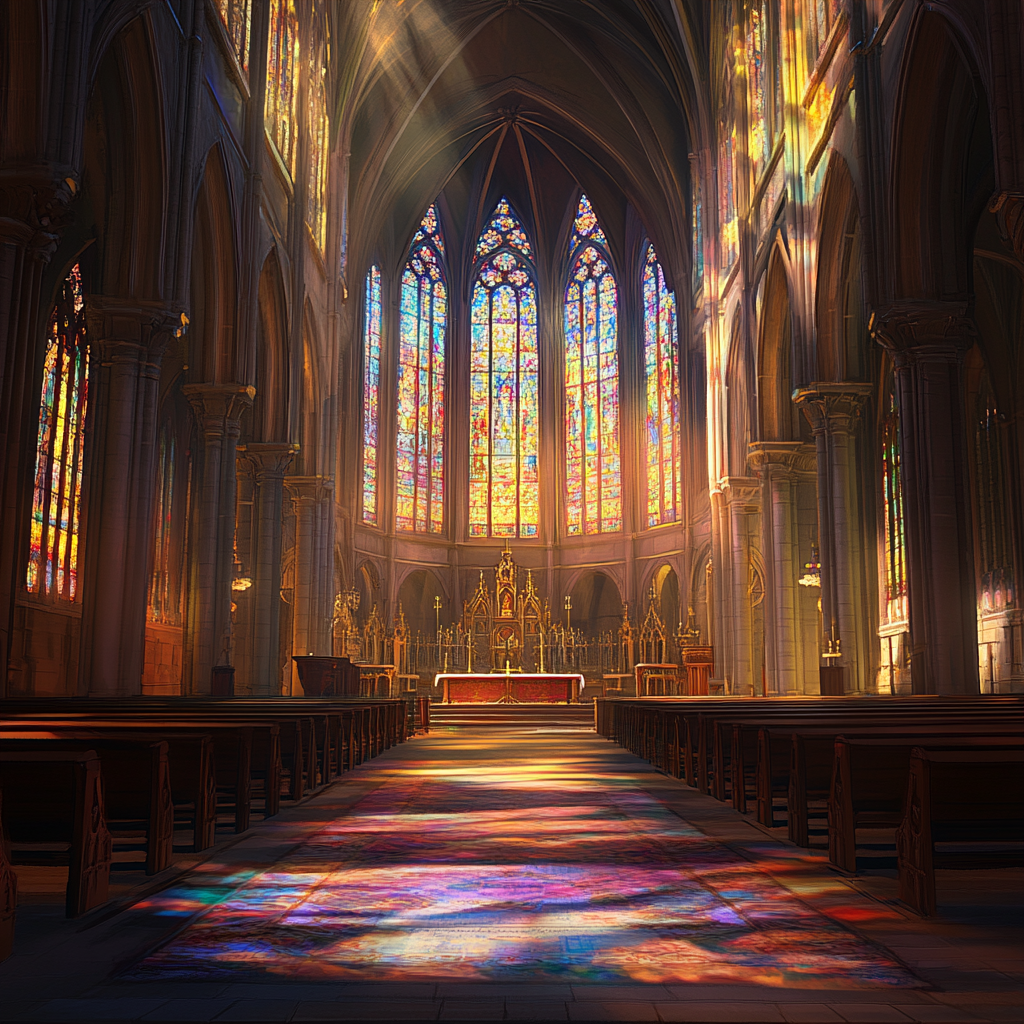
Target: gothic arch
{"x":837,"y":228}
{"x":776,"y":414}
{"x":941,"y":165}
{"x":214,"y":276}
{"x":270,"y":412}
{"x":124,"y":167}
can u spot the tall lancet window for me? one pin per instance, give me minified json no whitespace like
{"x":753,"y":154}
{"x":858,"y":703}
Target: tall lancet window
{"x":371,"y":395}
{"x":895,"y":590}
{"x":661,"y":364}
{"x":60,"y":442}
{"x":504,"y":489}
{"x":424,"y":316}
{"x":593,"y":500}
{"x":281,"y":106}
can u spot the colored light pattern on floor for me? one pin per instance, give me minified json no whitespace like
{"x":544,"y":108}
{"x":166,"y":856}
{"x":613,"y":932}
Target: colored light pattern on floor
{"x":472,"y":868}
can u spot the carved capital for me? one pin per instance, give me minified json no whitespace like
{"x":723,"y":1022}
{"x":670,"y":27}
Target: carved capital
{"x":1009,"y":210}
{"x":219,"y":407}
{"x":741,"y":493}
{"x":122,"y":330}
{"x":269,"y":461}
{"x":832,"y":408}
{"x":769,"y":458}
{"x":303,"y":489}
{"x":35,"y":207}
{"x":911,"y":330}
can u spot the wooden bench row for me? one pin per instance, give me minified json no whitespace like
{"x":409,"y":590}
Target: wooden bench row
{"x":851,"y":754}
{"x":78,"y":776}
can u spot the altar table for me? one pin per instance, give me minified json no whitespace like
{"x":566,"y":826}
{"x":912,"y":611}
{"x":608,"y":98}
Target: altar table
{"x":514,"y":688}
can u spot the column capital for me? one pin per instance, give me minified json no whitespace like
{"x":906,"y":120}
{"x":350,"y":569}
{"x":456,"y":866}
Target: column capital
{"x":911,"y":328}
{"x":127,"y":330}
{"x":832,"y":407}
{"x":218,"y":405}
{"x":741,"y":493}
{"x":269,"y":460}
{"x":35,"y":207}
{"x":309,"y":488}
{"x":791,"y":457}
{"x":1009,"y":210}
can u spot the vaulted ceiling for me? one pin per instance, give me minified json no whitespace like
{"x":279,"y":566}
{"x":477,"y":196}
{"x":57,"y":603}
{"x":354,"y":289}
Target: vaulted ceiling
{"x":472,"y":98}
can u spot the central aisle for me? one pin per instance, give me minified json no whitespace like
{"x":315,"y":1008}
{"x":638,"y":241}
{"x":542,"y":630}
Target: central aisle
{"x":497,"y":856}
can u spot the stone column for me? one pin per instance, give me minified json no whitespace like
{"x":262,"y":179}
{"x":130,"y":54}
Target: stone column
{"x":928,"y":342}
{"x":303,"y":492}
{"x":127,"y":342}
{"x":833,"y":411}
{"x":218,"y":409}
{"x":740,"y":505}
{"x":33,"y":211}
{"x":269,"y":463}
{"x":779,"y":464}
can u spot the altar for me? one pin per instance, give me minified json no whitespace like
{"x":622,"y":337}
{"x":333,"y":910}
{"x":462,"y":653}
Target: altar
{"x":509,"y":688}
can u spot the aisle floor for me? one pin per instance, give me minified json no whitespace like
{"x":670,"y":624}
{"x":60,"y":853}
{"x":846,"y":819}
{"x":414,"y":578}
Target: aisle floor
{"x":496,"y":874}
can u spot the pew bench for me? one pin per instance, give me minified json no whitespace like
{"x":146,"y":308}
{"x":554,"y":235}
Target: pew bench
{"x":53,"y":814}
{"x":869,"y":784}
{"x":963,"y":809}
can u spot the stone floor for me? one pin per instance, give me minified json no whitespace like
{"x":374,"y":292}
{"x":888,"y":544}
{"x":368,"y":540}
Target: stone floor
{"x":521,"y":875}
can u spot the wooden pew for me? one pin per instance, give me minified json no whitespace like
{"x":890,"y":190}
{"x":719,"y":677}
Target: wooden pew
{"x":959,"y":797}
{"x":56,"y":797}
{"x":869,"y":785}
{"x":136,"y":789}
{"x":8,"y":894}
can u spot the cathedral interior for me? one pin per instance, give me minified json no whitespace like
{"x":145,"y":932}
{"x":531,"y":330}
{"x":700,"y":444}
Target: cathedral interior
{"x":365,"y":364}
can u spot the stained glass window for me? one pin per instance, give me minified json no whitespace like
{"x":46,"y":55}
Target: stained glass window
{"x":661,"y":365}
{"x":892,"y":506}
{"x":53,"y":538}
{"x":316,"y":123}
{"x":504,"y":489}
{"x":995,"y":532}
{"x":282,"y":79}
{"x":593,"y":500}
{"x":728,"y":222}
{"x":825,"y":14}
{"x":371,"y":396}
{"x":697,"y":229}
{"x":237,"y":18}
{"x":424,"y":316}
{"x":759,"y":88}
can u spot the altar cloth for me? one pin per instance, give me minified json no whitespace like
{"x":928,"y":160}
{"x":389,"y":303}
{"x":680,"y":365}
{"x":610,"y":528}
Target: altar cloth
{"x":511,"y":688}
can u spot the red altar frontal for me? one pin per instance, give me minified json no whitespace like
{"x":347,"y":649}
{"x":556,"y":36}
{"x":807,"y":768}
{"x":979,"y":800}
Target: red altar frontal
{"x":510,"y":688}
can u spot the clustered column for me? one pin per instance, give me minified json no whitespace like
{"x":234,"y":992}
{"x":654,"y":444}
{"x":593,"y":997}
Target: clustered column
{"x":127,"y":342}
{"x":269,"y":462}
{"x":780,"y":466}
{"x":833,"y":410}
{"x":928,"y":342}
{"x":218,"y":409}
{"x":738,"y":509}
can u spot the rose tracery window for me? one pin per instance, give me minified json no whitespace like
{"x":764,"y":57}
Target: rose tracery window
{"x":661,"y":366}
{"x":504,"y":485}
{"x":421,"y":358}
{"x":592,"y":461}
{"x":60,"y":446}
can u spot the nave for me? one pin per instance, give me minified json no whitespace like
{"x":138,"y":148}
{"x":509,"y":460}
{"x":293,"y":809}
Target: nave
{"x":491,"y":873}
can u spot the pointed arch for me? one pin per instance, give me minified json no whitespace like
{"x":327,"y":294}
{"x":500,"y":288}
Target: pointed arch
{"x":593,"y":478}
{"x":419,"y":478}
{"x":214,"y":274}
{"x":776,"y":413}
{"x":661,"y":369}
{"x":504,"y":483}
{"x":270,"y":414}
